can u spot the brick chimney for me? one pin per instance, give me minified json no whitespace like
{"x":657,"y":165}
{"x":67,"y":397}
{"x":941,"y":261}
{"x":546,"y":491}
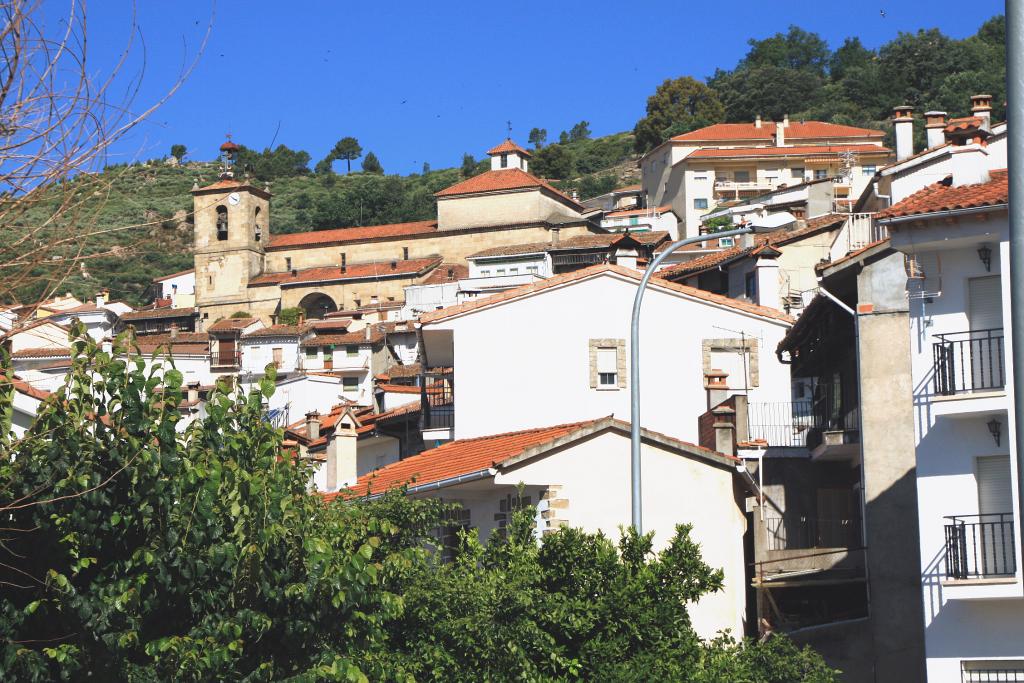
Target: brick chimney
{"x":903,"y":125}
{"x":716,"y":386}
{"x":935,"y":124}
{"x":981,"y":106}
{"x":313,"y":425}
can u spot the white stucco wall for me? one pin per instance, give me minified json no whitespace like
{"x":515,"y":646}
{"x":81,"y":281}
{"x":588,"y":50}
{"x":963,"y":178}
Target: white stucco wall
{"x":178,"y":285}
{"x":525,"y":363}
{"x":258,"y":353}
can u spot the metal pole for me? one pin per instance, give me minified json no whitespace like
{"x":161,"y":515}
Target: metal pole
{"x":1015,"y":150}
{"x":634,"y":366}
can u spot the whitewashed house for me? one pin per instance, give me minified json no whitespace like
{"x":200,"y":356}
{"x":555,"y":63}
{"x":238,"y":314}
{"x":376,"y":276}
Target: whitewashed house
{"x":557,"y":351}
{"x":277,"y":345}
{"x":179,"y":288}
{"x":27,"y":400}
{"x":577,"y":475}
{"x":954,"y":233}
{"x":354,"y":356}
{"x":99,"y":317}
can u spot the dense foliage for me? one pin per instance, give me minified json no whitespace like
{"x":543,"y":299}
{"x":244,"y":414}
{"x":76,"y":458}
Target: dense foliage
{"x":137,"y":551}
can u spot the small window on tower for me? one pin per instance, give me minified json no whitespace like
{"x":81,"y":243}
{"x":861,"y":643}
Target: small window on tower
{"x":504,"y":159}
{"x":257,"y":231}
{"x":222,"y":222}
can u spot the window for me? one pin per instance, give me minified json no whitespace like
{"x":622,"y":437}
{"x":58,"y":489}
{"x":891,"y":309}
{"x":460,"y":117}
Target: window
{"x":485,"y":272}
{"x":257,"y":231}
{"x":311,"y":352}
{"x":349,"y":384}
{"x":726,"y":241}
{"x":771,"y":175}
{"x":513,"y":271}
{"x":328,"y":353}
{"x":405,"y":253}
{"x":607,"y":362}
{"x":797,"y":173}
{"x":504,"y":159}
{"x":454,"y":522}
{"x":352,"y":350}
{"x":288,"y":263}
{"x":501,"y":271}
{"x":750,"y":286}
{"x":869,"y":170}
{"x":278,"y":355}
{"x":374,"y":300}
{"x":700,"y":203}
{"x":532,"y":269}
{"x":742,"y":176}
{"x":222,"y":223}
{"x":820,"y":173}
{"x":700,"y":175}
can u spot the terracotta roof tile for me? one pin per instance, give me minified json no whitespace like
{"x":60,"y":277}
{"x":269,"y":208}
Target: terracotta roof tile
{"x":963,"y":124}
{"x":795,"y":131}
{"x":798,"y":151}
{"x":23,"y":387}
{"x":508,"y":146}
{"x":857,"y":253}
{"x":447,"y":272}
{"x":398,"y":388}
{"x":231,"y":324}
{"x":349,"y":338}
{"x":504,"y":179}
{"x":190,"y":343}
{"x":400,"y":371}
{"x":355,"y":271}
{"x":355,"y":234}
{"x":639,"y":212}
{"x":278,"y":331}
{"x":149,"y":313}
{"x":702,"y":263}
{"x":942,"y":196}
{"x":42,"y":352}
{"x":583,"y":273}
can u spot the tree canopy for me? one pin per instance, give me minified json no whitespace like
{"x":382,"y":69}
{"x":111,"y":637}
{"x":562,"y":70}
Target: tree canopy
{"x":346,"y":149}
{"x":677,"y":106}
{"x":371,"y":164}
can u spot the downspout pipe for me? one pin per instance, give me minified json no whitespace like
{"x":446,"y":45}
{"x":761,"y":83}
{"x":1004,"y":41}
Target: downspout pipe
{"x":636,"y":491}
{"x":1015,"y":117}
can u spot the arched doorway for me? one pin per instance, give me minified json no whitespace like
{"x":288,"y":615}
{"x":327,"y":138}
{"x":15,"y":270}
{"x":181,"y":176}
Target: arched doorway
{"x":317,"y":305}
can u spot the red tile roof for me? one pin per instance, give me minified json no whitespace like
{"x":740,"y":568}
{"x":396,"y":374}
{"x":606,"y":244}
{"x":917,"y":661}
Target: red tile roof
{"x":359,"y":337}
{"x":795,"y":131}
{"x":600,"y":241}
{"x":584,"y":273}
{"x":368,"y":421}
{"x":508,"y":146}
{"x":855,"y":254}
{"x":23,"y":387}
{"x":355,"y":271}
{"x":504,"y":179}
{"x":42,"y":352}
{"x":962,"y":124}
{"x":942,"y":196}
{"x":279,"y":331}
{"x":797,"y":151}
{"x":702,"y":263}
{"x":399,"y":371}
{"x":159,"y":313}
{"x":183,"y":342}
{"x":398,"y":388}
{"x":440,"y":275}
{"x":232,"y":184}
{"x":355,"y":234}
{"x":231,"y":324}
{"x":178,"y":274}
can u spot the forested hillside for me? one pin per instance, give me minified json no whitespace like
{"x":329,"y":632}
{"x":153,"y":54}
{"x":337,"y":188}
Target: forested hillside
{"x":140,"y":211}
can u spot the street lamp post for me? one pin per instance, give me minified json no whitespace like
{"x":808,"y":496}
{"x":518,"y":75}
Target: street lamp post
{"x":634,"y":367}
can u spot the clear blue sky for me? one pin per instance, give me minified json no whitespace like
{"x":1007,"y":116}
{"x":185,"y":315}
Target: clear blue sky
{"x":417,"y":81}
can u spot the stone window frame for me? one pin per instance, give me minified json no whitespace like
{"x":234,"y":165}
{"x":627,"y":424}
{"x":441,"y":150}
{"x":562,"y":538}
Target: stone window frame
{"x":620,"y":362}
{"x":750,"y":344}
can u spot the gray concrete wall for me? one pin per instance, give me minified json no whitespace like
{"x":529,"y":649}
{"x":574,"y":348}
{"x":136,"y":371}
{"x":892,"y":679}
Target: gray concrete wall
{"x":897,"y":622}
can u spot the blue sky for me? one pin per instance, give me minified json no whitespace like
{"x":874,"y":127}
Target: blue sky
{"x":417,"y":81}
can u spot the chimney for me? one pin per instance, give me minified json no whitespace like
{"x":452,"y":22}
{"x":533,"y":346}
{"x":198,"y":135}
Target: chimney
{"x":981,"y":106}
{"x":174,"y":331}
{"x":313,"y":425}
{"x":716,"y":386}
{"x":969,"y":164}
{"x":554,"y":237}
{"x":785,"y":120}
{"x":757,"y":121}
{"x":725,"y":430}
{"x":935,"y":124}
{"x":394,"y":265}
{"x":780,"y":134}
{"x":302,"y":316}
{"x":341,"y":454}
{"x":903,"y":124}
{"x":344,"y":262}
{"x":107,"y":346}
{"x":101,"y":298}
{"x":193,"y":391}
{"x":368,"y":329}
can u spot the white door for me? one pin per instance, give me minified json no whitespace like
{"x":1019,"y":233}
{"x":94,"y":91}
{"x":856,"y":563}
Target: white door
{"x":985,"y":313}
{"x":993,"y":535}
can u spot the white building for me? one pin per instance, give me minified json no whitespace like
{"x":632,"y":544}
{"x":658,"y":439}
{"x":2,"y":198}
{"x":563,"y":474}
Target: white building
{"x":354,"y":356}
{"x":99,"y":317}
{"x":558,"y":351}
{"x":577,"y":475}
{"x":277,"y":345}
{"x":955,"y":234}
{"x":661,"y":218}
{"x":180,"y":288}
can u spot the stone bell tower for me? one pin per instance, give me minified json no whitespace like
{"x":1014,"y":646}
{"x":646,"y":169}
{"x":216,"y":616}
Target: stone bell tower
{"x":232,"y":220}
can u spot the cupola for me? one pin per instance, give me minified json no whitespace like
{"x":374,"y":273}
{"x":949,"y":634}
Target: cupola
{"x":508,"y":155}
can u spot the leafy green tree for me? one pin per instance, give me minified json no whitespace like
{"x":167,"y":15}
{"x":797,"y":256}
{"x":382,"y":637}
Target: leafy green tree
{"x":851,"y":55}
{"x":346,"y":149}
{"x":371,"y":164}
{"x":281,"y":162}
{"x":289,"y":316}
{"x":553,"y":161}
{"x":563,"y":138}
{"x":767,"y":90}
{"x":538,"y":136}
{"x":240,"y":314}
{"x":677,"y":106}
{"x":324,"y":166}
{"x":135,"y":552}
{"x":580,"y":131}
{"x":914,"y":66}
{"x":179,"y":151}
{"x":796,"y":49}
{"x":468,"y":165}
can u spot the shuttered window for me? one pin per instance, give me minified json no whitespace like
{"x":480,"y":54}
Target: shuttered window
{"x":994,"y":495}
{"x":607,"y":364}
{"x":985,"y":303}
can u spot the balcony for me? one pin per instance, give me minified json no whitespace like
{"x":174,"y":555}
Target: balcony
{"x":828,"y":419}
{"x":437,"y":405}
{"x":980,"y":546}
{"x":737,"y":186}
{"x":969,"y":361}
{"x":226,"y":360}
{"x":800,"y":532}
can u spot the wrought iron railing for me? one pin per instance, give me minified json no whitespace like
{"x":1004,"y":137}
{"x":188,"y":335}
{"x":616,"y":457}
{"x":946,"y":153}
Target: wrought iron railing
{"x":969,"y":361}
{"x":801,"y":532}
{"x":980,"y":546}
{"x":227,"y":360}
{"x":437,"y":400}
{"x":992,"y":672}
{"x":801,"y":423}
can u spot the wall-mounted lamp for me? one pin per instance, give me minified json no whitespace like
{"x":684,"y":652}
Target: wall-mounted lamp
{"x":995,"y":429}
{"x":985,"y":254}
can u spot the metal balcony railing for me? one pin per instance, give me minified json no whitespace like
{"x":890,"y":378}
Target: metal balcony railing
{"x":969,"y":361}
{"x":801,"y":423}
{"x":801,"y":532}
{"x":227,"y":360}
{"x":437,"y":400}
{"x":980,"y":546}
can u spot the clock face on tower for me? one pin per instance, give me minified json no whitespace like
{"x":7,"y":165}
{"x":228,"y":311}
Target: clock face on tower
{"x":234,"y":198}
